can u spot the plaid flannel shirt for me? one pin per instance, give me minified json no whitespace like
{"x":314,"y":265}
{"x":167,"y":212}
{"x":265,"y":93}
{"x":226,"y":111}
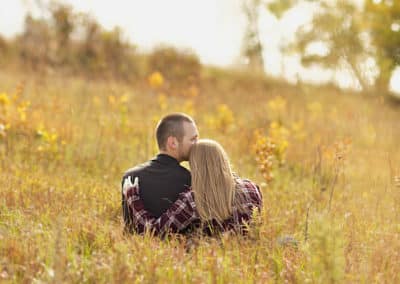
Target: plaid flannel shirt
{"x":183,"y":213}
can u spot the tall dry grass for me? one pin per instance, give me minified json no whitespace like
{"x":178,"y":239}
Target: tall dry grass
{"x":327,"y":162}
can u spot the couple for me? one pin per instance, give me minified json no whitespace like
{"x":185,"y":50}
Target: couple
{"x":163,"y":197}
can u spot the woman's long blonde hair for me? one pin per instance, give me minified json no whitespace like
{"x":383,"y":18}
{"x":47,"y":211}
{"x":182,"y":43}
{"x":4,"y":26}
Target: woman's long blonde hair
{"x":213,"y":182}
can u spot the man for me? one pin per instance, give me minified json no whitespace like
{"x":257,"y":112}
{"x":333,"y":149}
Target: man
{"x":163,"y":178}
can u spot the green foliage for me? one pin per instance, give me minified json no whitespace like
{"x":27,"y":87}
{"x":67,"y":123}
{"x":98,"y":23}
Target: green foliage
{"x":279,"y":7}
{"x":336,"y":26}
{"x":350,"y":35}
{"x":383,"y":21}
{"x":326,"y":251}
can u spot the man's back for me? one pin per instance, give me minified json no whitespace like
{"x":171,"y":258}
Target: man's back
{"x":160,"y":181}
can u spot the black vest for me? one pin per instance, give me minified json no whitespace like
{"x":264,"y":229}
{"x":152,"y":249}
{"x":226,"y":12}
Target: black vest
{"x":160,"y":182}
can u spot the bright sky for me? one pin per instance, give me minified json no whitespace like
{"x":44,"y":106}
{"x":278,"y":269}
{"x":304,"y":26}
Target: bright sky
{"x":212,"y":29}
{"x":209,"y":27}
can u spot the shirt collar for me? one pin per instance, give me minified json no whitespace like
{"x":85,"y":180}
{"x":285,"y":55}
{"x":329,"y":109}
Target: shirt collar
{"x":166,"y":159}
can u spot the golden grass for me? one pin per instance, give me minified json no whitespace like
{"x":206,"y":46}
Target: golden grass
{"x":335,"y":189}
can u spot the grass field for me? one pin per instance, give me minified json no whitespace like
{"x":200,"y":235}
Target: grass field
{"x":328,"y":164}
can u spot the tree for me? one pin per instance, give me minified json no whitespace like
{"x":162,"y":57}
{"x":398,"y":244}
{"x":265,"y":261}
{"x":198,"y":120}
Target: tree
{"x":384,"y":26}
{"x":63,"y":22}
{"x":279,"y":7}
{"x":3,"y":49}
{"x":34,"y":43}
{"x":252,"y":47}
{"x":338,"y":27}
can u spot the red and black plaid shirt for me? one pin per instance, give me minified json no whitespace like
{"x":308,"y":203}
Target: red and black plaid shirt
{"x":183,"y":213}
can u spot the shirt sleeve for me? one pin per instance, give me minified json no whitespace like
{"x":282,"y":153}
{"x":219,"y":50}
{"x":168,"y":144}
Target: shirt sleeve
{"x":142,"y":219}
{"x":254,"y":193}
{"x":125,"y":210}
{"x":177,"y":217}
{"x":249,"y":195}
{"x":180,"y":215}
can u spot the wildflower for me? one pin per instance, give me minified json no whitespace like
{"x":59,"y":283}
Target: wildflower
{"x":22,"y":113}
{"x":298,"y":130}
{"x":222,"y":120}
{"x":49,"y":139}
{"x":156,"y":80}
{"x":278,"y":132}
{"x":52,"y":138}
{"x":124,"y":99}
{"x":279,"y":135}
{"x":225,"y":116}
{"x":4,"y":100}
{"x":277,"y":104}
{"x":264,"y":151}
{"x":40,"y":130}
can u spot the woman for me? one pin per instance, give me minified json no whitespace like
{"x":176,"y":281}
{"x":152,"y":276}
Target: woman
{"x":217,"y":201}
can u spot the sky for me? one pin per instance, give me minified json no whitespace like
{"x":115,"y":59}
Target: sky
{"x":213,"y":29}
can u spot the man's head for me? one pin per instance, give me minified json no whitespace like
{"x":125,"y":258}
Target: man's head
{"x":176,"y":133}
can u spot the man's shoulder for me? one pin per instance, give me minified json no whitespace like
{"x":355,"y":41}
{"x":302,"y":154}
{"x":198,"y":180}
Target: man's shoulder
{"x":136,"y":170}
{"x":148,"y":170}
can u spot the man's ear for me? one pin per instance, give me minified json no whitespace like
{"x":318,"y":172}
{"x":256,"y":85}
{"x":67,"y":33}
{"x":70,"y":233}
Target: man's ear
{"x":172,"y":142}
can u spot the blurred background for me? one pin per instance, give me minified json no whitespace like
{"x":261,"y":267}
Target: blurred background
{"x":353,"y":44}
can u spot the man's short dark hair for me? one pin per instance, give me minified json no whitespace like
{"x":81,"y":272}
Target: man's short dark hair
{"x":171,"y":125}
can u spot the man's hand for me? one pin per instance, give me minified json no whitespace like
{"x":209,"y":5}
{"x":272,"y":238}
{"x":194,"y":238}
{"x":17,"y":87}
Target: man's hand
{"x":128,"y":184}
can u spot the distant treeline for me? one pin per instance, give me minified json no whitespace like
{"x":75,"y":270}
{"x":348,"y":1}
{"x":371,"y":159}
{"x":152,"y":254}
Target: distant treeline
{"x":363,"y":40}
{"x":76,"y":43}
